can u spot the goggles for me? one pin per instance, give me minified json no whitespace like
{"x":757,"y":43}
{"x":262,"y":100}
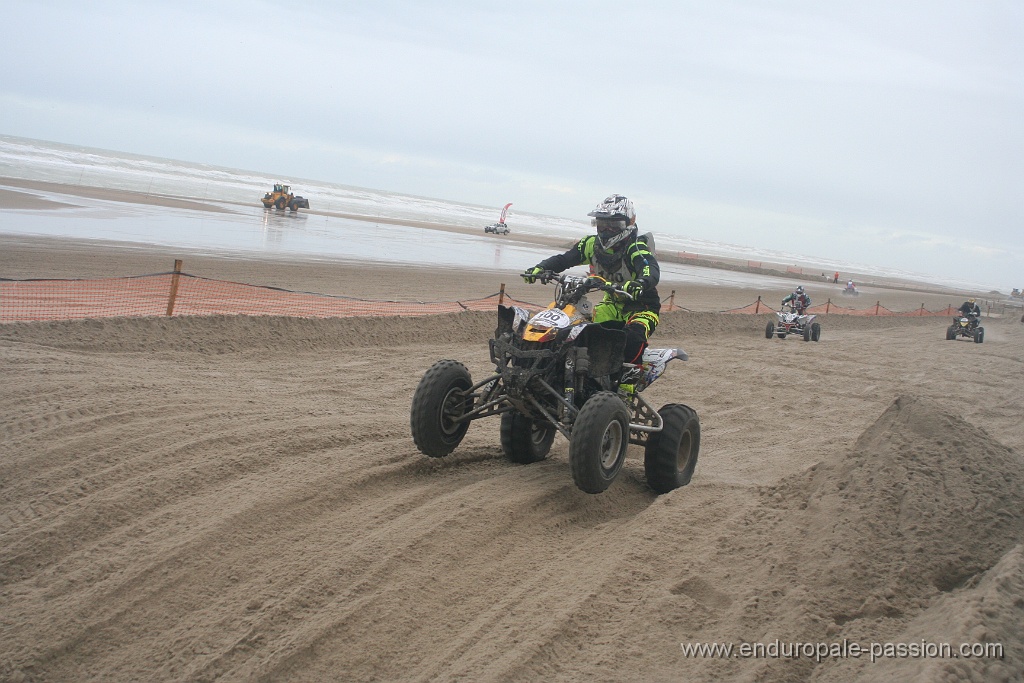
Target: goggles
{"x":608,"y":228}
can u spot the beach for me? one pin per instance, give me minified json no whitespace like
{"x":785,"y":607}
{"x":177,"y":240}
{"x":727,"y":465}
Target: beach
{"x":718,"y":289}
{"x":239,"y":497}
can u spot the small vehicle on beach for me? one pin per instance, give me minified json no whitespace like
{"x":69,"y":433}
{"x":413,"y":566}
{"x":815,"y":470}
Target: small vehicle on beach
{"x":500,"y":228}
{"x":850,"y":289}
{"x":966,"y":326}
{"x":559,"y":372}
{"x":792,"y":322}
{"x":281,"y":196}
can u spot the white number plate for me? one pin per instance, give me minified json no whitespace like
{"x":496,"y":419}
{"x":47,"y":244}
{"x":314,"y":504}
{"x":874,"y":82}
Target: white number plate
{"x":552,"y":317}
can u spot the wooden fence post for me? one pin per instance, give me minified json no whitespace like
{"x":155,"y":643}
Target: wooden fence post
{"x":671,"y":299}
{"x":501,"y":294}
{"x":174,"y":287}
{"x":828,"y":305}
{"x":757,"y":306}
{"x":877,"y":305}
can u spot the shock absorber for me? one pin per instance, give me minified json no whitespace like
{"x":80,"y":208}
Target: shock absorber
{"x":577,"y":366}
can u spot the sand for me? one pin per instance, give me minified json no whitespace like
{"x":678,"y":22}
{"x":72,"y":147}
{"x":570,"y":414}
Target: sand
{"x":240,"y":498}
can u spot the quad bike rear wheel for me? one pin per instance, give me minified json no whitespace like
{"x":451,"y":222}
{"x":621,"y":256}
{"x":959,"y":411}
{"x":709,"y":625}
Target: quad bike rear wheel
{"x":979,"y":335}
{"x":769,"y":330}
{"x":525,"y":440}
{"x":600,"y":436}
{"x":439,"y":400}
{"x":671,"y":454}
{"x":951,"y":332}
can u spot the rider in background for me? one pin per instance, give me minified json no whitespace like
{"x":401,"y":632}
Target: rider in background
{"x":970,"y":310}
{"x":620,"y":255}
{"x":798,"y":300}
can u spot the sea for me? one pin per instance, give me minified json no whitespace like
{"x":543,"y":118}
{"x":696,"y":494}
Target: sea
{"x":247,"y":228}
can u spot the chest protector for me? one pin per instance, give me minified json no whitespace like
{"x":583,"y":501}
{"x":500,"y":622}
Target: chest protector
{"x":616,"y":267}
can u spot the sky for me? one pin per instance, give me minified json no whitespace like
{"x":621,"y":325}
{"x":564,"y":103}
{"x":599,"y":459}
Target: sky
{"x":883,"y":132}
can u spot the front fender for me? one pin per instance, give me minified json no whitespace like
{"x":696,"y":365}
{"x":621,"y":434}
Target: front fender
{"x":510,"y":320}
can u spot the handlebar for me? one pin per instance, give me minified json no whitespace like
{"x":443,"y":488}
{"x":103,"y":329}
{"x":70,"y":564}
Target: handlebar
{"x":546,"y":276}
{"x":587,"y":283}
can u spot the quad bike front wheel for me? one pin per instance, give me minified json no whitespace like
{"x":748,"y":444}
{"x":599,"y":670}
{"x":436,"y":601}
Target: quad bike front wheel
{"x":671,"y":454}
{"x":439,"y":401}
{"x":815,"y":331}
{"x":769,"y":330}
{"x":979,"y":335}
{"x":807,"y":333}
{"x":525,"y":440}
{"x":600,"y":436}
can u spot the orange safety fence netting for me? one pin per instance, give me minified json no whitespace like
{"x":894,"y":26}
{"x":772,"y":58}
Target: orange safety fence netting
{"x":177,"y":293}
{"x":830,"y":308}
{"x":833,"y":309}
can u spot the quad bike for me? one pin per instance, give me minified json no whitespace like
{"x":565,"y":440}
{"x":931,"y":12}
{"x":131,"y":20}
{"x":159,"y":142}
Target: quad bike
{"x":282,"y":197}
{"x":850,"y":290}
{"x":966,"y":326}
{"x":792,"y":322}
{"x":559,"y":372}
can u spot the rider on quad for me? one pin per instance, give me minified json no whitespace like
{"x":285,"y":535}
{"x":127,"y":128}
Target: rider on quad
{"x":618,"y":254}
{"x":798,"y":300}
{"x":970,"y":310}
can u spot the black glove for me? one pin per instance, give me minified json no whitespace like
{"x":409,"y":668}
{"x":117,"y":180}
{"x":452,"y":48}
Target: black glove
{"x":530,"y":274}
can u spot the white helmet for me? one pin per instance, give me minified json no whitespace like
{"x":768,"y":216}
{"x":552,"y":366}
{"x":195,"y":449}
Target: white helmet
{"x":613,"y":218}
{"x":800,"y":289}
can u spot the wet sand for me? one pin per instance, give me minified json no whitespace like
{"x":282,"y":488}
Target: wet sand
{"x":773,"y":277}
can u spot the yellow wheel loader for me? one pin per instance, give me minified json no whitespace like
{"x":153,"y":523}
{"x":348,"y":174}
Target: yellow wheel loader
{"x":282,"y":198}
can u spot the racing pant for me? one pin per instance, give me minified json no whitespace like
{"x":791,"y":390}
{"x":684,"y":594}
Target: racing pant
{"x":638,"y":326}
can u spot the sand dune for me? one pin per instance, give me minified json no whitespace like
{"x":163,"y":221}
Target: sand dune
{"x":239,"y":498}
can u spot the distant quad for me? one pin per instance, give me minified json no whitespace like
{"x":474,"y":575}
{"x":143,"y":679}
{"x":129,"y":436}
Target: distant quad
{"x":791,"y":322}
{"x":964,"y":326}
{"x":282,"y":197}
